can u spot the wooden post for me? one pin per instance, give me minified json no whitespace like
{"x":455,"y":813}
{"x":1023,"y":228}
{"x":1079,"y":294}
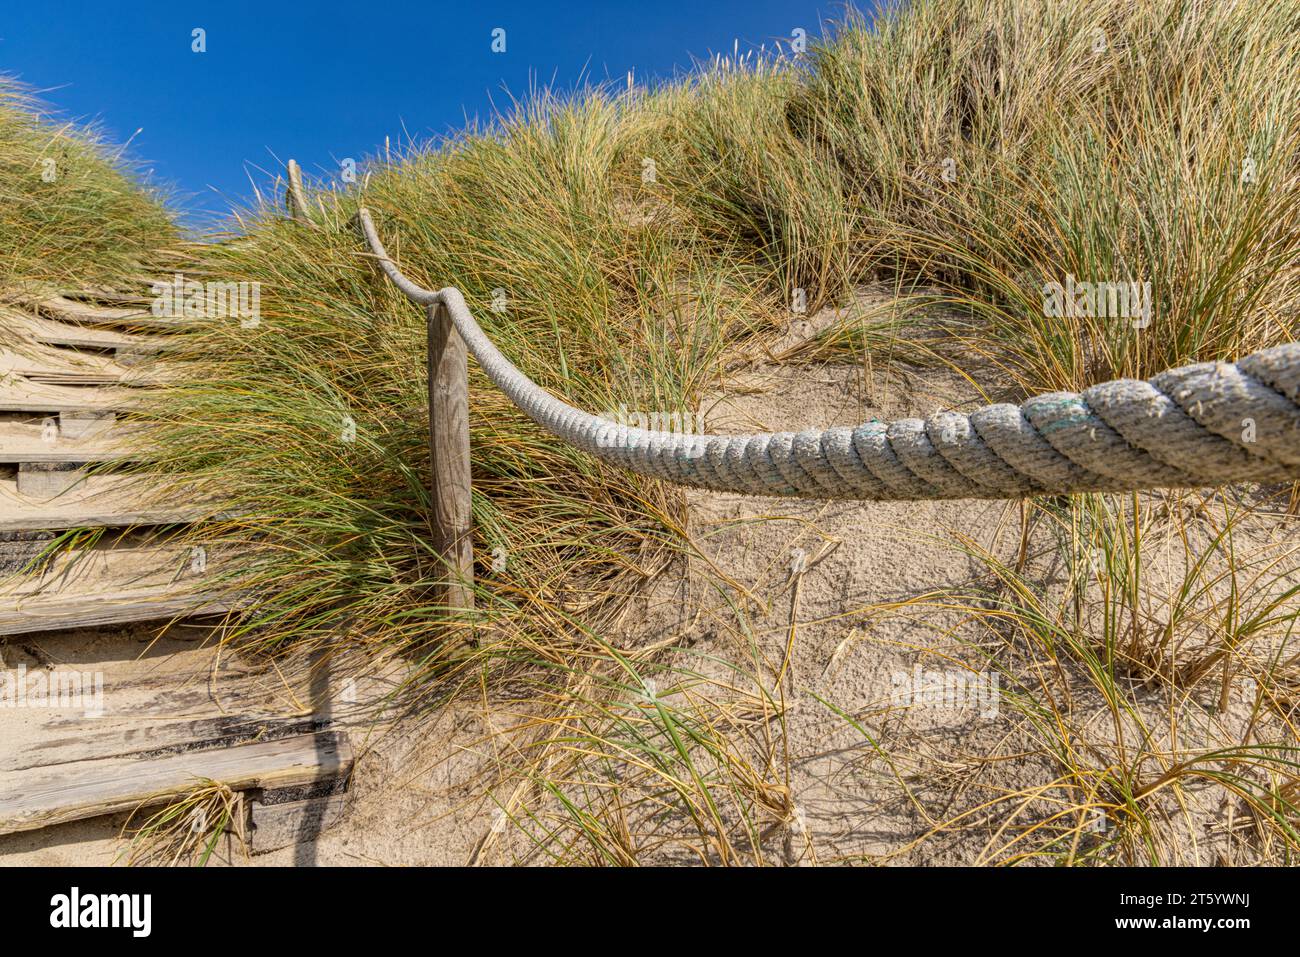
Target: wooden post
{"x":449,"y":451}
{"x":294,"y":197}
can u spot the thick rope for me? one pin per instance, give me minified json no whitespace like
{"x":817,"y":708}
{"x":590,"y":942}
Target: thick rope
{"x":1207,"y":424}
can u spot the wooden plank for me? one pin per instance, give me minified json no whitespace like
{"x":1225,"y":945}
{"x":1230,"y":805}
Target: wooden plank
{"x":449,"y":451}
{"x":77,"y":311}
{"x":108,"y":297}
{"x":70,"y":310}
{"x":43,"y":442}
{"x":186,"y":698}
{"x":124,"y":563}
{"x":294,"y":822}
{"x":113,"y":585}
{"x":51,"y":365}
{"x":54,"y":794}
{"x":100,"y":501}
{"x":53,"y":332}
{"x":32,"y":359}
{"x":83,"y":425}
{"x":47,"y":480}
{"x":21,"y":395}
{"x":150,"y":736}
{"x":145,"y":604}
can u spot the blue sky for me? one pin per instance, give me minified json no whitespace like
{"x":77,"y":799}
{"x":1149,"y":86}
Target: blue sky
{"x":339,"y":77}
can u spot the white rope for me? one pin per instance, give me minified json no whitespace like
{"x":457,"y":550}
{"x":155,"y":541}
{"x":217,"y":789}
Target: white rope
{"x":1197,"y":425}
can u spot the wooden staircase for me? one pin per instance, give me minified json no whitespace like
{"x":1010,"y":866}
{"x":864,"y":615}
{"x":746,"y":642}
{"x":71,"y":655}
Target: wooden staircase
{"x":72,"y":368}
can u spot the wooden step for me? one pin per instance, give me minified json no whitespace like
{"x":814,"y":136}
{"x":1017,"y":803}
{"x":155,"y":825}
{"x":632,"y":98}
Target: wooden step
{"x":61,"y":612}
{"x":111,"y":586}
{"x":43,"y":443}
{"x":53,"y":794}
{"x":52,"y":332}
{"x":119,"y":317}
{"x":110,"y":297}
{"x":110,"y":501}
{"x":177,"y":696}
{"x":146,"y":733}
{"x":124,"y":565}
{"x":18,"y":394}
{"x":51,"y":365}
{"x":79,"y":311}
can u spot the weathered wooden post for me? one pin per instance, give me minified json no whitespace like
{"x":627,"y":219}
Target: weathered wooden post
{"x":294,"y":198}
{"x":452,"y":520}
{"x":449,"y":452}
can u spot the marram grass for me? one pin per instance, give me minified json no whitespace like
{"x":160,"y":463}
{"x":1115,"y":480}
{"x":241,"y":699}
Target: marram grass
{"x":71,"y":213}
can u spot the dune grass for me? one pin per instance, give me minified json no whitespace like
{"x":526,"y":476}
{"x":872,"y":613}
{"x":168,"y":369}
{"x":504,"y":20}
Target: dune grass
{"x":998,"y":147}
{"x":72,"y":212}
{"x":1153,"y":669}
{"x":188,"y":829}
{"x":313,"y":421}
{"x":620,"y":246}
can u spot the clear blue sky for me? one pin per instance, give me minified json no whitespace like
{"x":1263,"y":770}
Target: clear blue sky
{"x":341,"y":75}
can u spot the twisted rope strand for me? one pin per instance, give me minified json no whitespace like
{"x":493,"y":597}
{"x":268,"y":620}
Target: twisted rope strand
{"x":1210,"y":423}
